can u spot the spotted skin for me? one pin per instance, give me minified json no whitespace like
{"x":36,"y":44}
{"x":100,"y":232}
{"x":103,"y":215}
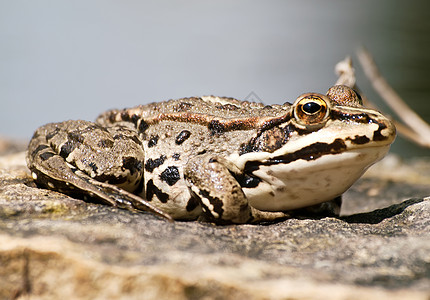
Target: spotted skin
{"x":216,"y":159}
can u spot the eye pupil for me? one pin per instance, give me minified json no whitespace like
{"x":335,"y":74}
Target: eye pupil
{"x":311,"y":107}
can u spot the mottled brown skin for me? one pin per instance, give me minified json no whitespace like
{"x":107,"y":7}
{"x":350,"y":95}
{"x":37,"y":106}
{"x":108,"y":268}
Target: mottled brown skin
{"x":175,"y":158}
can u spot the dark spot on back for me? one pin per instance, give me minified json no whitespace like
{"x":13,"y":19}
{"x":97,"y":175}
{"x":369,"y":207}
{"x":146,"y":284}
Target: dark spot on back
{"x":112,"y":118}
{"x":183,"y":106}
{"x":152,"y":190}
{"x":216,"y":127}
{"x":153,"y":140}
{"x":170,"y":175}
{"x":125,"y":116}
{"x":227,"y":106}
{"x":143,"y":126}
{"x":176,"y":156}
{"x":135,"y":118}
{"x":151,"y":164}
{"x":182,"y":137}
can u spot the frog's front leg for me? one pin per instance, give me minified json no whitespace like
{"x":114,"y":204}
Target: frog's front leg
{"x":220,"y":195}
{"x":80,"y":157}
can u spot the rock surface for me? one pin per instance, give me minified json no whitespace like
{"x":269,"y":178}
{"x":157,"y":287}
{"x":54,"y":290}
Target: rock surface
{"x":53,"y":246}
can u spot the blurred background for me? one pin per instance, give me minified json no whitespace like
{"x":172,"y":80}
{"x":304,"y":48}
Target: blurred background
{"x":64,"y":60}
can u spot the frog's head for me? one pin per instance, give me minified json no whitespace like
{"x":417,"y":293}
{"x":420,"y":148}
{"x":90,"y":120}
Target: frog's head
{"x":323,"y":144}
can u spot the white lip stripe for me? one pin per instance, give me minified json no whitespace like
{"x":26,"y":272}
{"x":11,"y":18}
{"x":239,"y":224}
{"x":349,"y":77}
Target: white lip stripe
{"x":297,"y":143}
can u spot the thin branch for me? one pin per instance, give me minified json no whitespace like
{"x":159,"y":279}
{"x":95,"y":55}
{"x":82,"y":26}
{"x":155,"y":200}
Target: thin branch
{"x":407,"y":115}
{"x":346,"y":72}
{"x":411,"y":135}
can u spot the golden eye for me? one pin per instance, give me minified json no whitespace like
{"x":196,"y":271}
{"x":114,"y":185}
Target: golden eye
{"x":311,"y":109}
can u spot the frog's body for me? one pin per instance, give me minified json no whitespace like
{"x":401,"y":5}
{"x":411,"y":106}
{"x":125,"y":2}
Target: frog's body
{"x":220,"y":159}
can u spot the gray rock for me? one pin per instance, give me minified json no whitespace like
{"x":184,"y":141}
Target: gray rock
{"x":54,"y":246}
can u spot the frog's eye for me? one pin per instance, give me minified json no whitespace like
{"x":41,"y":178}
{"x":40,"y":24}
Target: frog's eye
{"x":311,"y":109}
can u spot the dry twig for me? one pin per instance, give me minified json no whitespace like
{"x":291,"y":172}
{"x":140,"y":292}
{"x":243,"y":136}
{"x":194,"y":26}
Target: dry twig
{"x":411,"y":119}
{"x":346,"y":73}
{"x":413,"y":127}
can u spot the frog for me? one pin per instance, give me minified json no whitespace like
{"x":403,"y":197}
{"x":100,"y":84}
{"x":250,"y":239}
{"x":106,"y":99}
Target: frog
{"x":216,"y":159}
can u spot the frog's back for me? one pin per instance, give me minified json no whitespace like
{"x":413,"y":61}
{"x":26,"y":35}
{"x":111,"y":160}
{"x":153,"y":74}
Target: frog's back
{"x":196,"y":109}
